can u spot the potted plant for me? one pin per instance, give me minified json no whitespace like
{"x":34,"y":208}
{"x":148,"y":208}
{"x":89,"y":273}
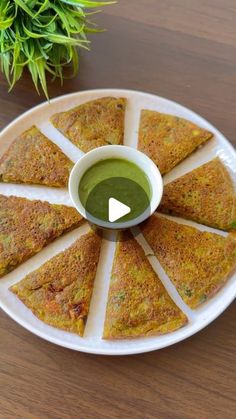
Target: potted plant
{"x":43,"y":36}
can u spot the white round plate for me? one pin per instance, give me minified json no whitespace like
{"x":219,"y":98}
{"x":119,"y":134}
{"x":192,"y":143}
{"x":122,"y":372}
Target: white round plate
{"x":92,"y":341}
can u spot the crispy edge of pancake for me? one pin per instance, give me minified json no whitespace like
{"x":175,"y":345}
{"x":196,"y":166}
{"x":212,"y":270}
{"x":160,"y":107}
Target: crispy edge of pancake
{"x":157,"y":225}
{"x":156,"y":138}
{"x":20,"y":240}
{"x":129,"y":254}
{"x":16,"y":165}
{"x":66,"y":122}
{"x":59,"y":292}
{"x":172,"y":203}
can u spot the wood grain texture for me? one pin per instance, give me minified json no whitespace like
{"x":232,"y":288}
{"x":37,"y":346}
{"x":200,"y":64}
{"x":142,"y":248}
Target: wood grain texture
{"x":184,"y":50}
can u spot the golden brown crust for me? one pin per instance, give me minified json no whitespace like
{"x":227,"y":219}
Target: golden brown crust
{"x":93,"y":124}
{"x":59,"y":292}
{"x":32,"y":158}
{"x":198,"y":263}
{"x":205,"y":195}
{"x":168,"y":139}
{"x":138,"y":304}
{"x":27,"y":226}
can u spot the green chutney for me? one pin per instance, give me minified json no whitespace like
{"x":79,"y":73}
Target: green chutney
{"x":114,"y":178}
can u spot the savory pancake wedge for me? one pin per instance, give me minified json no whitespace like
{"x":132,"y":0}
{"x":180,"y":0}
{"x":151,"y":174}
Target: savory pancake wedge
{"x":168,"y":139}
{"x":27,"y":226}
{"x":93,"y":124}
{"x":59,"y":292}
{"x":198,"y":263}
{"x":205,"y":195}
{"x":32,"y":158}
{"x":138,"y":304}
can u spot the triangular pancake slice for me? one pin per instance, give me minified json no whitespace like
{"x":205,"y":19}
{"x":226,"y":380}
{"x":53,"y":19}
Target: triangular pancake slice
{"x":197,"y":262}
{"x":59,"y":292}
{"x":205,"y":195}
{"x":93,"y":124}
{"x":32,"y":158}
{"x":27,"y":226}
{"x":138,"y":304}
{"x":168,"y":139}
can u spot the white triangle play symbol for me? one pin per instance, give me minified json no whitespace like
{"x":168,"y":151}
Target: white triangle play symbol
{"x":117,"y":210}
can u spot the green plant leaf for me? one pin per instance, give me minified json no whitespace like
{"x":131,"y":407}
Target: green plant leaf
{"x":42,"y":77}
{"x":84,"y":3}
{"x":32,"y":34}
{"x":45,"y":5}
{"x":64,"y":40}
{"x":23,"y":6}
{"x":48,"y":21}
{"x":94,"y":30}
{"x":5,"y":65}
{"x":44,"y":36}
{"x":4,"y":24}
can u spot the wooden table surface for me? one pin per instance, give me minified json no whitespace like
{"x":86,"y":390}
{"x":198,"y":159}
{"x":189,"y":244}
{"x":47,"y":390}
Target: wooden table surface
{"x":184,"y":50}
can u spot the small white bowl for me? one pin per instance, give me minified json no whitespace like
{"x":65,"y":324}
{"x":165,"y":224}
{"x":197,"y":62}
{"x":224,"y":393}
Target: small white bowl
{"x":122,"y":152}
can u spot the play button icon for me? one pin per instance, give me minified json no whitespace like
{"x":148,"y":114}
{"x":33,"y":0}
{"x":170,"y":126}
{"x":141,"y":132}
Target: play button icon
{"x":115,"y":201}
{"x":117,"y":210}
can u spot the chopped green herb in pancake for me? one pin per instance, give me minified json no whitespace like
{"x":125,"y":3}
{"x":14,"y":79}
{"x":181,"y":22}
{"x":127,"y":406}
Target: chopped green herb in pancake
{"x":198,"y":263}
{"x":168,"y":139}
{"x":32,"y":158}
{"x":93,"y":124}
{"x":138,"y":304}
{"x":59,"y":292}
{"x":205,"y":195}
{"x":27,"y":226}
